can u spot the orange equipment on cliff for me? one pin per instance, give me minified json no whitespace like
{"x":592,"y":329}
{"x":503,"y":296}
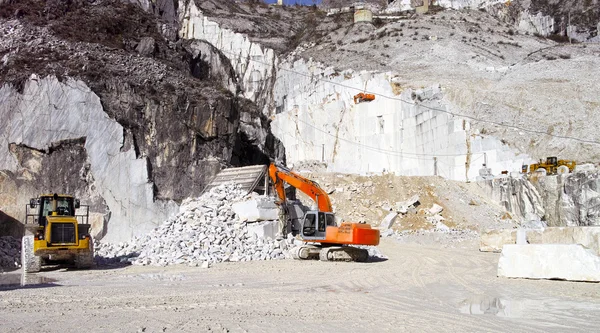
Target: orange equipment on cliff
{"x":362,"y":97}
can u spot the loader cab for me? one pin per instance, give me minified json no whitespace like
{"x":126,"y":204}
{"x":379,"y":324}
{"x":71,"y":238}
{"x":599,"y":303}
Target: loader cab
{"x":315,"y":224}
{"x":56,"y":219}
{"x":54,"y":205}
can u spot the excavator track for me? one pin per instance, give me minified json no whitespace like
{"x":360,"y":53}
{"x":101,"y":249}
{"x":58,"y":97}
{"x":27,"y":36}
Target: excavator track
{"x":343,"y":253}
{"x":306,"y":252}
{"x":330,"y":253}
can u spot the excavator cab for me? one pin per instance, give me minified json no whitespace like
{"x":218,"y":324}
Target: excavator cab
{"x":315,"y":225}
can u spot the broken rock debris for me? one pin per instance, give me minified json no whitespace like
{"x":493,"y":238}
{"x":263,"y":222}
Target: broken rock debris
{"x":10,"y":253}
{"x":205,"y":231}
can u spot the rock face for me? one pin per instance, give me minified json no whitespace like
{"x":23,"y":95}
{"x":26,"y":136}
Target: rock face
{"x":253,"y":64}
{"x":579,"y":198}
{"x":248,"y":63}
{"x":209,"y":63}
{"x":559,"y":200}
{"x":142,"y":122}
{"x":318,"y":120}
{"x":576,"y":19}
{"x":428,"y":93}
{"x":206,"y":230}
{"x":50,"y":114}
{"x":549,"y":261}
{"x":518,"y":196}
{"x":186,"y":108}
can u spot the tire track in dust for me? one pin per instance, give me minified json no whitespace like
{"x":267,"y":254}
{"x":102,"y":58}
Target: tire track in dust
{"x":416,"y":313}
{"x":450,"y":259}
{"x":426,"y":255}
{"x":417,"y":263}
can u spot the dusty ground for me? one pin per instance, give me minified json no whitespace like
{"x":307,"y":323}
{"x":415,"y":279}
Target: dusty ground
{"x":419,"y":289}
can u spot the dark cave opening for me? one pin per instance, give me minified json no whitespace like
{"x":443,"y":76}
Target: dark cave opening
{"x":245,"y":153}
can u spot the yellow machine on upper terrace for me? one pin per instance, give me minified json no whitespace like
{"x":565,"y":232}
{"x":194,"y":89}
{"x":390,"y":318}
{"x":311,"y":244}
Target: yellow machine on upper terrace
{"x":54,"y":233}
{"x":552,"y":166}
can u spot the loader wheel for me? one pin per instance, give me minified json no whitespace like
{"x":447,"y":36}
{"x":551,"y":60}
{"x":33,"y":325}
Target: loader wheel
{"x":30,"y":262}
{"x":86,"y":259}
{"x":562,"y":170}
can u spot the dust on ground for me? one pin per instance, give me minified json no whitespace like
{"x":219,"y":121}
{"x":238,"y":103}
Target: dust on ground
{"x":433,"y":288}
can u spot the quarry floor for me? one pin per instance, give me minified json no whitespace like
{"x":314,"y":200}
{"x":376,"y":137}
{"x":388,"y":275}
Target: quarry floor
{"x":420,"y":288}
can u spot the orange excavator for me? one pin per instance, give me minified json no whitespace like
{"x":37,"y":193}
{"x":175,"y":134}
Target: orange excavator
{"x":330,"y":242}
{"x":363,"y":97}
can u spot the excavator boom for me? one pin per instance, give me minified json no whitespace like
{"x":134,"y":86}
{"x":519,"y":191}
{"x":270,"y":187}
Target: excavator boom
{"x":280,"y":174}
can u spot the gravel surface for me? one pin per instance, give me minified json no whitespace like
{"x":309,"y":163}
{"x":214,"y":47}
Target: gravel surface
{"x":420,"y":288}
{"x":10,"y":253}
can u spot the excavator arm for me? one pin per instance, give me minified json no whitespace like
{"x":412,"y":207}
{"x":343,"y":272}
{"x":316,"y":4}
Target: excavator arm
{"x":280,"y":174}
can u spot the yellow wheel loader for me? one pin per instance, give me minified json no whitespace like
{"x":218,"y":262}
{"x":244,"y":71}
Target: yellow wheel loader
{"x":55,"y":234}
{"x":552,"y":166}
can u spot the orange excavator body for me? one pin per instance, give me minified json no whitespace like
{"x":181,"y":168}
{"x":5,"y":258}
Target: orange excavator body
{"x":347,"y":233}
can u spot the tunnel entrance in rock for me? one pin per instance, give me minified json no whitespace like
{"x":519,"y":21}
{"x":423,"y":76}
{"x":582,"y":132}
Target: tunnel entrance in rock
{"x":245,"y":153}
{"x":199,"y":68}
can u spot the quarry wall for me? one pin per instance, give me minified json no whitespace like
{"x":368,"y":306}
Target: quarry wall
{"x":559,"y":200}
{"x":50,"y":113}
{"x":408,"y":132}
{"x":315,"y":117}
{"x":531,"y":16}
{"x":253,"y":64}
{"x":130,"y":129}
{"x":413,"y":132}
